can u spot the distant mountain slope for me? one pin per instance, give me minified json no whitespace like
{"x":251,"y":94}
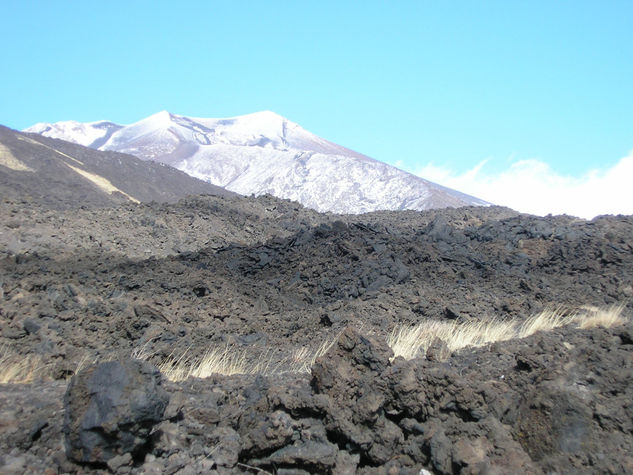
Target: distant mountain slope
{"x":64,"y":174}
{"x":265,"y":153}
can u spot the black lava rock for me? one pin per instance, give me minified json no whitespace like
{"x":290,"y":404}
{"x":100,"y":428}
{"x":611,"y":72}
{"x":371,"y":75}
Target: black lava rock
{"x":111,"y":409}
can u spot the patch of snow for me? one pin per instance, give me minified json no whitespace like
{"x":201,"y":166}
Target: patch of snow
{"x":82,"y":133}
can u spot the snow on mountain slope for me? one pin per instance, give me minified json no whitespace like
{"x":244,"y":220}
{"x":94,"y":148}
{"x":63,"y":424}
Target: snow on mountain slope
{"x":265,"y":153}
{"x":91,"y":134}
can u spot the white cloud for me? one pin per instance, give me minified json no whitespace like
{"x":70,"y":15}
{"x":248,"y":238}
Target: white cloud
{"x":532,"y":186}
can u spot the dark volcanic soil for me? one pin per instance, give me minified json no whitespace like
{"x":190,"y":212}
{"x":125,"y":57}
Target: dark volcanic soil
{"x":63,"y":175}
{"x":268,"y":277}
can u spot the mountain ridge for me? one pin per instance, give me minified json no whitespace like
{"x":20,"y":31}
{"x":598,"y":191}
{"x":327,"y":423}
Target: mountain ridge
{"x":58,"y":173}
{"x":265,"y":153}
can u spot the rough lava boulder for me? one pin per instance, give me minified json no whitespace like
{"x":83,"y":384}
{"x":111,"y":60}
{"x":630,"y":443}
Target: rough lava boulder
{"x":111,"y":409}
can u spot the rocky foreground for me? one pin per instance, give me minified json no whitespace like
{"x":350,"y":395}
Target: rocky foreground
{"x":556,"y":402}
{"x":266,"y":278}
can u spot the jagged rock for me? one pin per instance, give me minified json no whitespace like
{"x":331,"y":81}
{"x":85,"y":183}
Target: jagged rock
{"x":437,"y":350}
{"x":150,"y":313}
{"x":117,"y":462}
{"x":349,"y":374}
{"x":441,"y":449}
{"x":226,"y":445}
{"x":321,"y":455}
{"x":31,"y":326}
{"x":261,"y":434}
{"x":346,"y":463}
{"x":110,"y":409}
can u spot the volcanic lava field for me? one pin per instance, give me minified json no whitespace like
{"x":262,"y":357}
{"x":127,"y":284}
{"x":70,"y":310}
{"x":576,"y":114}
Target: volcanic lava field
{"x":226,"y":334}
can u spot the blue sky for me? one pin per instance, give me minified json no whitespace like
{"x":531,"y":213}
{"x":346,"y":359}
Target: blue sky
{"x":458,"y":91}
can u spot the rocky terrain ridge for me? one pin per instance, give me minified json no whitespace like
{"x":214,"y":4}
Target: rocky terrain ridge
{"x":267,"y":279}
{"x":59,"y":174}
{"x":264,"y":153}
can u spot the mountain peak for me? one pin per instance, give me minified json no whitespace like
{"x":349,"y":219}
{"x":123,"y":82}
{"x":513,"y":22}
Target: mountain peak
{"x":159,"y":117}
{"x":264,"y":152}
{"x":164,"y":113}
{"x":265,"y":114}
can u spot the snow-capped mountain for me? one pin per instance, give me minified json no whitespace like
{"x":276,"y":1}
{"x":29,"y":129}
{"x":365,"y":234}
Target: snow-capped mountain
{"x":265,"y":153}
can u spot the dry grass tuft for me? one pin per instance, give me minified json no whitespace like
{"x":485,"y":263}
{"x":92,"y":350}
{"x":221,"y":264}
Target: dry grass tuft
{"x":84,"y":362}
{"x":226,"y":361}
{"x":230,"y":360}
{"x":16,"y":369}
{"x":409,"y":342}
{"x":545,"y":321}
{"x":142,"y":352}
{"x":607,"y":318}
{"x":303,"y":358}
